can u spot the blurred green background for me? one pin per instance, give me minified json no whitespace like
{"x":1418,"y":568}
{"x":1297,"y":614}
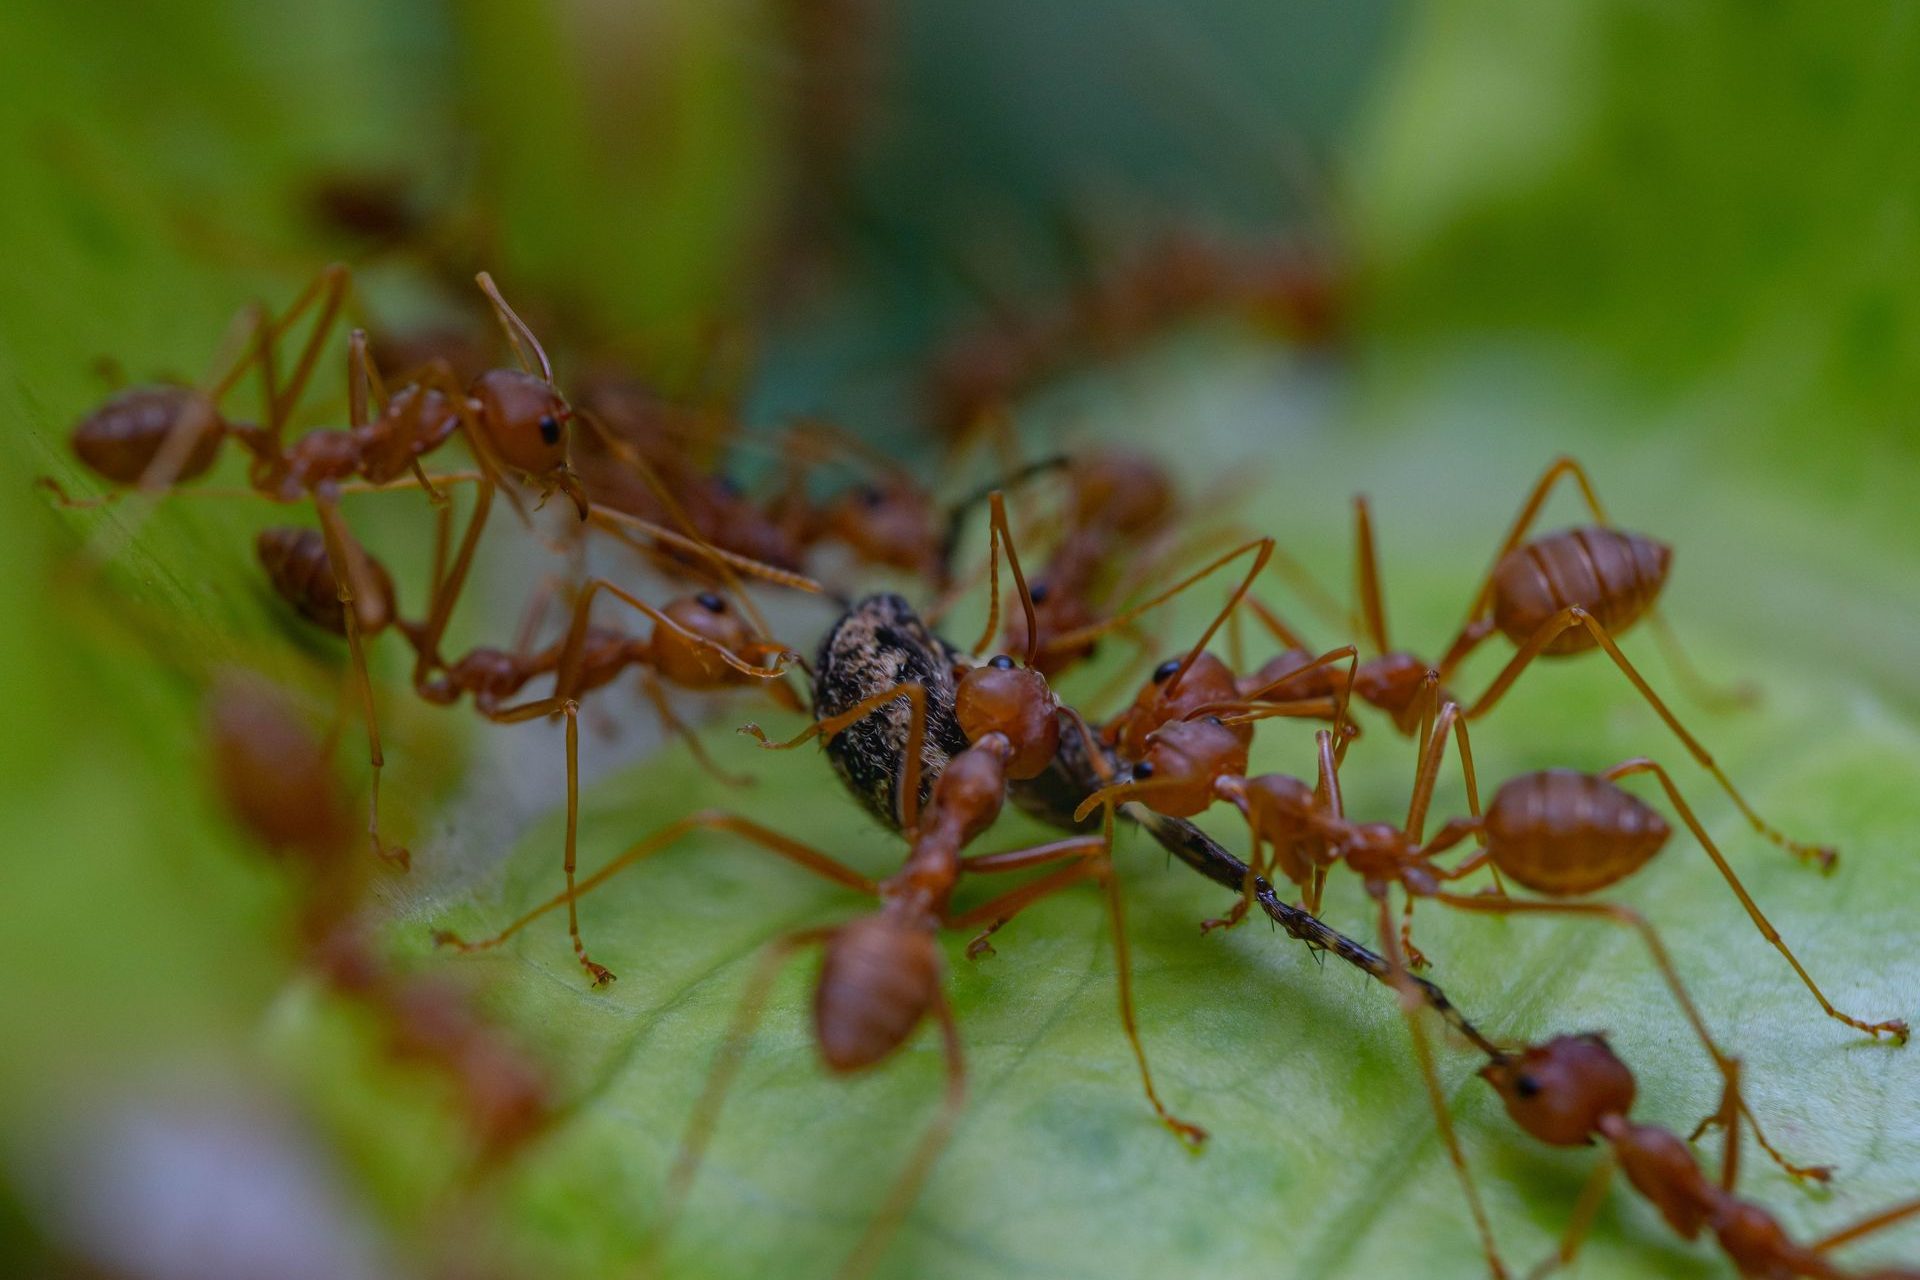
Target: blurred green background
{"x":1681,"y":241}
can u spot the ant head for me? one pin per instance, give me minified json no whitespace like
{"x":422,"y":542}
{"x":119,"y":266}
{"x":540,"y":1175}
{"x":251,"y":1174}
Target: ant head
{"x":1129,"y":493}
{"x":1206,"y":680}
{"x":525,"y":420}
{"x":1559,"y":1091}
{"x":687,"y":663}
{"x":888,"y":523}
{"x":1183,"y":761}
{"x":1000,"y":697}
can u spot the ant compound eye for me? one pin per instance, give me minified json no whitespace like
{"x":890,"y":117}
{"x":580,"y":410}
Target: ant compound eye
{"x":550,"y":429}
{"x":1037,"y":592}
{"x":869,"y":496}
{"x":1216,"y":720}
{"x":1142,"y":770}
{"x":710,"y":602}
{"x":727,"y":485}
{"x":1002,"y":662}
{"x":1526,"y":1086}
{"x":1164,"y":672}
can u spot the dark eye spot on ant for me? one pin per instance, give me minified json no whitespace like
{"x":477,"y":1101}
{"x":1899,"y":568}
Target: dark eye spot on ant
{"x":550,"y":429}
{"x":1037,"y":593}
{"x":869,"y":496}
{"x":710,"y":602}
{"x":1002,"y":661}
{"x":1164,"y":672}
{"x":1142,"y":770}
{"x":1526,"y":1086}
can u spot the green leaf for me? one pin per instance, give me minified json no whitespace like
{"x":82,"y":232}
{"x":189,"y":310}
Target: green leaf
{"x":1648,"y":249}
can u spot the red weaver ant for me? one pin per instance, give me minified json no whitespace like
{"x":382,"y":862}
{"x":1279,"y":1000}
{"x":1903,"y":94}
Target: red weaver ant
{"x":1573,"y":1091}
{"x":1557,"y":595}
{"x":279,"y":785}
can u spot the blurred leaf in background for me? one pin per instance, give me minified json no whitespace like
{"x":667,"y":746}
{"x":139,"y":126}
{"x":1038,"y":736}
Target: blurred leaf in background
{"x":1677,"y":241}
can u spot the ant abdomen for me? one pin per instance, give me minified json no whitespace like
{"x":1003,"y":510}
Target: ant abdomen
{"x":297,"y":564}
{"x":121,"y":438}
{"x":1613,"y":575}
{"x":878,"y":979}
{"x":1563,"y":833}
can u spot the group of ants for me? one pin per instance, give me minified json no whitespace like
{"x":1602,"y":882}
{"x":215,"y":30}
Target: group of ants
{"x":934,"y":739}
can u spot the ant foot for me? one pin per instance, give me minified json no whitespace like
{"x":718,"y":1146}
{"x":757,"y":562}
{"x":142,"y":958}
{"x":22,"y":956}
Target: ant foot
{"x":1894,"y":1027}
{"x":395,"y":856}
{"x":1222,"y":923}
{"x":1416,"y":958}
{"x":600,"y":974}
{"x":448,"y":938}
{"x":980,"y":948}
{"x":1191,"y":1136}
{"x":1824,"y":857}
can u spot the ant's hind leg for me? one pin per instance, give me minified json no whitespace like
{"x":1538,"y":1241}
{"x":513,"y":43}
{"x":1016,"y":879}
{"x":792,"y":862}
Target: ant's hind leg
{"x":350,"y":568}
{"x":678,"y":728}
{"x":1401,"y":979}
{"x":1867,"y":1226}
{"x":1580,"y":1222}
{"x":726,"y":1066}
{"x":912,"y":1176}
{"x":1822,"y":856}
{"x":1190,"y":1135}
{"x":1894,"y":1027}
{"x":764,"y":838}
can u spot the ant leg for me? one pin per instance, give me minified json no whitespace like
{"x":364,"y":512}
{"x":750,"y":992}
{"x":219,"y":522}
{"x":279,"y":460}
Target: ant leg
{"x":765,"y":839}
{"x":726,"y":1066}
{"x":1366,"y":569}
{"x":997,"y":912}
{"x":908,"y":801}
{"x":1263,"y":551}
{"x":329,"y":288}
{"x":676,"y":727}
{"x":1657,"y":949}
{"x":1276,"y":626}
{"x":1713,"y":697}
{"x":677,"y":512}
{"x":448,"y":587}
{"x":1001,"y":536}
{"x":1867,"y":1226}
{"x":1326,"y":793}
{"x":344,"y":555}
{"x":1192,"y":1136}
{"x":624,"y":526}
{"x":1893,"y":1027}
{"x":906,"y":1187}
{"x":1564,"y":465}
{"x":1401,"y":979}
{"x":1585,"y":1210}
{"x":570,"y":661}
{"x":1823,"y":856}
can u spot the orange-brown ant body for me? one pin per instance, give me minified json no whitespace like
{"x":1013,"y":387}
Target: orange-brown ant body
{"x":1559,"y":833}
{"x":1574,"y":1091}
{"x":1557,"y":595}
{"x":278,"y":783}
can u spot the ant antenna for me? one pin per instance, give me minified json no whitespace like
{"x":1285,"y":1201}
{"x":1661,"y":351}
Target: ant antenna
{"x":1002,"y":536}
{"x":517,"y":331}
